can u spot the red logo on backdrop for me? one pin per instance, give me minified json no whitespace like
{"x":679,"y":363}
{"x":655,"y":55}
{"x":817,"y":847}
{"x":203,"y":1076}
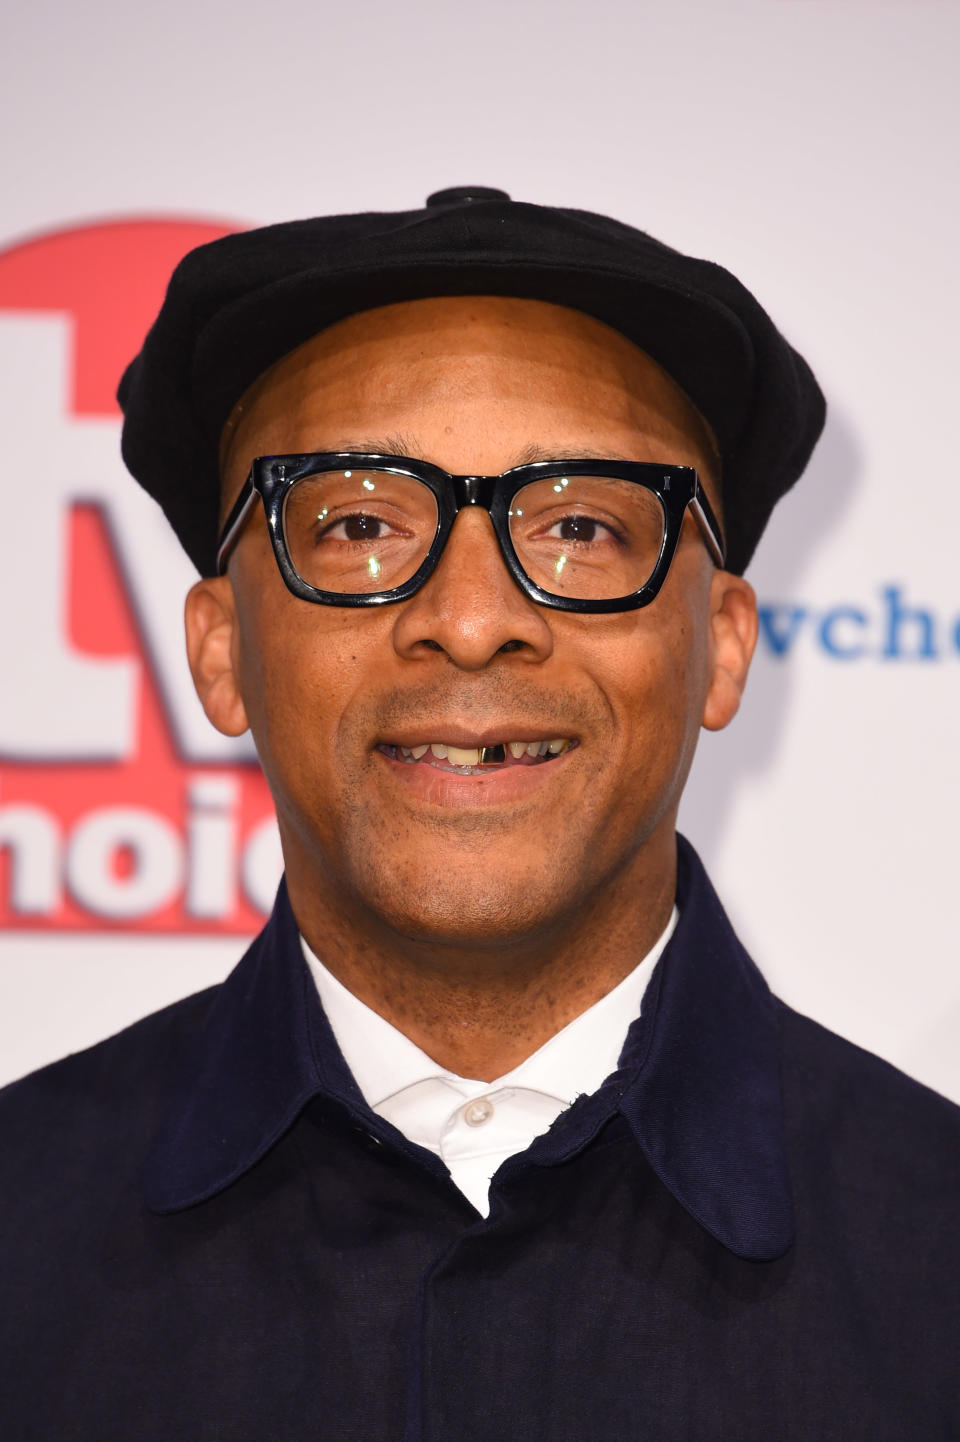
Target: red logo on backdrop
{"x":119,"y":807}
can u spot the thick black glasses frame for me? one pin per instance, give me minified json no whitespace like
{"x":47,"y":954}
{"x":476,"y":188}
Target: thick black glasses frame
{"x":271,"y":477}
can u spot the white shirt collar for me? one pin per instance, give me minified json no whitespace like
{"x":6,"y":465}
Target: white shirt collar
{"x":576,"y":1060}
{"x":434,"y":1107}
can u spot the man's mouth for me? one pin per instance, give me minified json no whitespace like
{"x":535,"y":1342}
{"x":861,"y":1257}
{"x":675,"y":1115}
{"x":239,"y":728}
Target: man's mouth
{"x":475,"y":760}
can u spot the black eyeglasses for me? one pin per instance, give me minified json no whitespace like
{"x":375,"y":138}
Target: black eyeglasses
{"x":352,"y":529}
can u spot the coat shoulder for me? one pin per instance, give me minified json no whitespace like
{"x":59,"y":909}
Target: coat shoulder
{"x":863,"y":1120}
{"x":91,"y":1098}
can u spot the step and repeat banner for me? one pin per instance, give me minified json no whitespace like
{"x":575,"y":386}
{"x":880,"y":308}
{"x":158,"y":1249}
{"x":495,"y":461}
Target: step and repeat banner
{"x":119,"y":803}
{"x":138,"y":848}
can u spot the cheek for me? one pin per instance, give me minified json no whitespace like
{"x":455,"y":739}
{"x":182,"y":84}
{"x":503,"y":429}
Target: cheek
{"x":300,"y":667}
{"x":656,"y":682}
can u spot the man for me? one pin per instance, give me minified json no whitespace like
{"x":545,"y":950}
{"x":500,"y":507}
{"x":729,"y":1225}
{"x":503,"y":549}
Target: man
{"x":495,"y":1132}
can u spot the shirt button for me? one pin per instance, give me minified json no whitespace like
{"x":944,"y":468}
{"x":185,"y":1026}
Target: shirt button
{"x":475,"y":1114}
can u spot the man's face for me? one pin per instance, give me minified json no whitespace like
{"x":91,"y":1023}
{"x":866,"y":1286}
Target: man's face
{"x":474,"y":385}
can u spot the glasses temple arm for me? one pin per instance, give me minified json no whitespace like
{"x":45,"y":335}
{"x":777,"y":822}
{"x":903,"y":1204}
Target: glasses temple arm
{"x":709,"y":525}
{"x":235,"y":522}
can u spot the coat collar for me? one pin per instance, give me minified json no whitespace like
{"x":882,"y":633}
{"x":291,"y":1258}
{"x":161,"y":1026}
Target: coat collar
{"x":700,"y":1076}
{"x":705,"y":1103}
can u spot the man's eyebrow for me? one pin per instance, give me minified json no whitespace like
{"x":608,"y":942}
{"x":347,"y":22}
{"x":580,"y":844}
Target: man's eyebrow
{"x":535,"y":452}
{"x":395,"y":445}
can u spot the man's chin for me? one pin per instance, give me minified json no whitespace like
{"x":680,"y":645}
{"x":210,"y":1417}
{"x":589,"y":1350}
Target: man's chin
{"x":485,"y":908}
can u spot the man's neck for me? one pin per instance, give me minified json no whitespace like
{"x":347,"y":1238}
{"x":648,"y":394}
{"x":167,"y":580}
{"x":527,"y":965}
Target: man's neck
{"x":480,"y":1011}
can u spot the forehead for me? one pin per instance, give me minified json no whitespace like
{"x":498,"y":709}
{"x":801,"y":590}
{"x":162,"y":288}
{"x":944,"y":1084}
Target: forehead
{"x":483,"y":372}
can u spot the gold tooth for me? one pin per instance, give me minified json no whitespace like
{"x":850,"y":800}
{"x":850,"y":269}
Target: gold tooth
{"x":492,"y":755}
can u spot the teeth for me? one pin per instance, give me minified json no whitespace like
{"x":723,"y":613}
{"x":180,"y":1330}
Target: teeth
{"x":461,"y":755}
{"x":485,"y":755}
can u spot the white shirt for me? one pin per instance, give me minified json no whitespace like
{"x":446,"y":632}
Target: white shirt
{"x":475,"y":1125}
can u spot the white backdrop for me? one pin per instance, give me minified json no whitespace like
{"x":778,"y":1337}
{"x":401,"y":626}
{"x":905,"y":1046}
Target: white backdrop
{"x":811,"y":148}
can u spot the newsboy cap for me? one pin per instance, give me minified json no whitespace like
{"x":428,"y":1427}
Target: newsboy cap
{"x":236,"y":305}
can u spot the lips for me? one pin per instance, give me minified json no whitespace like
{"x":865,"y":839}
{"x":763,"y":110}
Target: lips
{"x":478,"y":759}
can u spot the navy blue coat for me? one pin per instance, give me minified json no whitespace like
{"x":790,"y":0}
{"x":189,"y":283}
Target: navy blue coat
{"x":749,"y":1233}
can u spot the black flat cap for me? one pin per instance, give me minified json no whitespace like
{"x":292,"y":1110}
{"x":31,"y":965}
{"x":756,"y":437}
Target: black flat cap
{"x":237,"y":305}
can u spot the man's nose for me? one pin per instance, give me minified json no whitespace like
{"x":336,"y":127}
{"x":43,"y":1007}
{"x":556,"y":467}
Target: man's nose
{"x":471,"y":608}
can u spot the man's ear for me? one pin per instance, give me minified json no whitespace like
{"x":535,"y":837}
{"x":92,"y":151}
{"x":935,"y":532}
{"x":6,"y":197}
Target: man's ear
{"x":211,"y":620}
{"x":733,"y":625}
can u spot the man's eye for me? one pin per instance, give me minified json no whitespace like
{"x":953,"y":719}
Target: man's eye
{"x":358,"y":527}
{"x":579,"y":528}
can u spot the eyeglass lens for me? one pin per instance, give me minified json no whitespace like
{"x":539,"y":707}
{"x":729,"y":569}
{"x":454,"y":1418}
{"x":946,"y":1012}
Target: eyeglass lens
{"x":586,"y":537}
